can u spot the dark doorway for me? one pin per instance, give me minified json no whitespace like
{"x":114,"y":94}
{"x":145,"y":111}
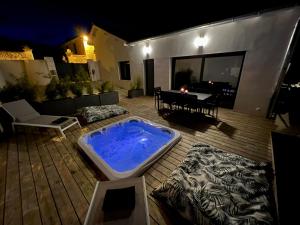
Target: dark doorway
{"x":149,"y":76}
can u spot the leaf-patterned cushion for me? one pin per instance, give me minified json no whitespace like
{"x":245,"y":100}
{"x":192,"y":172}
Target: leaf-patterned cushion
{"x":214,"y":187}
{"x":95,"y":113}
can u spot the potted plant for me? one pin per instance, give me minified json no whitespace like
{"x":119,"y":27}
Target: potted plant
{"x":87,"y":99}
{"x":57,"y":101}
{"x":22,"y":88}
{"x":136,"y":89}
{"x":107,"y":94}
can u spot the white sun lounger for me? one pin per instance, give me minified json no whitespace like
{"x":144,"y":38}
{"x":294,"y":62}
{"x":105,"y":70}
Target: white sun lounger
{"x":25,"y":115}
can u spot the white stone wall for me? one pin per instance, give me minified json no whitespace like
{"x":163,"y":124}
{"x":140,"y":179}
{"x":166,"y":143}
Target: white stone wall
{"x":10,"y":70}
{"x":37,"y":71}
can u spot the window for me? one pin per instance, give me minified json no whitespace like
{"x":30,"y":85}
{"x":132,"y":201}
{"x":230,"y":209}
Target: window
{"x":187,"y":71}
{"x":198,"y":73}
{"x":223,"y":69}
{"x":124,"y":68}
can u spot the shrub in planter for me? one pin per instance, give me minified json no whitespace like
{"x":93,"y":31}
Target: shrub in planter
{"x":89,"y":88}
{"x":76,"y":88}
{"x":136,"y":89}
{"x":9,"y":93}
{"x":22,"y":89}
{"x":107,"y":94}
{"x":106,"y":86}
{"x":26,"y":89}
{"x":62,"y":88}
{"x":81,"y":75}
{"x":136,"y":84}
{"x":52,"y":91}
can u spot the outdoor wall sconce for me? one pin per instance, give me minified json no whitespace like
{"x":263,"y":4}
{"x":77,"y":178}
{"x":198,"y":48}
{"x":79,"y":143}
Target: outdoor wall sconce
{"x":147,"y":50}
{"x":85,"y":40}
{"x":200,"y":42}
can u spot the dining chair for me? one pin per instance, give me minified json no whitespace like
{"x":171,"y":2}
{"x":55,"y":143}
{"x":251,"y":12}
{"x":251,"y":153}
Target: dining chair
{"x":157,"y":97}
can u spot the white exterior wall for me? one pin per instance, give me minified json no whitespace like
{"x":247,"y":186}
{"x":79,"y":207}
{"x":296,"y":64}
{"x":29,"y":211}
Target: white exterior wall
{"x":265,"y":38}
{"x":110,"y":50}
{"x":162,"y":73}
{"x":94,"y":70}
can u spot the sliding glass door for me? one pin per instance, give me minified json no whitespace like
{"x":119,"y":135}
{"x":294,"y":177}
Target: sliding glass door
{"x":205,"y":73}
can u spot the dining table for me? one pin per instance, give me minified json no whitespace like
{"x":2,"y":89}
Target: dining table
{"x":200,"y":96}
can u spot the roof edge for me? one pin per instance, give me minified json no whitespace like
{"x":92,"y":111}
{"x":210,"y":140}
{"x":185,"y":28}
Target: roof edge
{"x":229,"y":20}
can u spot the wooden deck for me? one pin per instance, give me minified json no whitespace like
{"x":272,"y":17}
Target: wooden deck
{"x":47,"y":180}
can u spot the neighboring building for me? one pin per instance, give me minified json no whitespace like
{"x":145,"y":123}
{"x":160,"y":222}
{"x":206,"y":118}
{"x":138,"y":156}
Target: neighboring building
{"x":78,"y":50}
{"x":12,"y":55}
{"x":248,"y":52}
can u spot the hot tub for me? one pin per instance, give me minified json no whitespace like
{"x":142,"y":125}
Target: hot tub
{"x":128,"y":147}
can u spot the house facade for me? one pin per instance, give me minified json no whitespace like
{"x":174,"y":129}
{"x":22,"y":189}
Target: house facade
{"x":248,"y":52}
{"x":110,"y":51}
{"x":78,"y":50}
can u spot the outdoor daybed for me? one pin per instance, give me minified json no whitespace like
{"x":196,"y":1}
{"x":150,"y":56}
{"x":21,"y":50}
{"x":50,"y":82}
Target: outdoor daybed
{"x":214,"y":187}
{"x":95,"y":113}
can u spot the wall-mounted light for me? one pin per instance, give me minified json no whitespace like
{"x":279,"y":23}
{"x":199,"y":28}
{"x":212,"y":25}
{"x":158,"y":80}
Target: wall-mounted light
{"x":85,"y":40}
{"x":147,"y":50}
{"x":200,"y":41}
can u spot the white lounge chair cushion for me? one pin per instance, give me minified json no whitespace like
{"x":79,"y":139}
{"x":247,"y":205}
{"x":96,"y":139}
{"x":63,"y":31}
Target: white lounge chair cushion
{"x":21,"y":110}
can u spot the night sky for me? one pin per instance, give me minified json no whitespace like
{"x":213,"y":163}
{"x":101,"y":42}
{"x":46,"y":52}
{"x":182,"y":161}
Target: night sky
{"x":53,"y":22}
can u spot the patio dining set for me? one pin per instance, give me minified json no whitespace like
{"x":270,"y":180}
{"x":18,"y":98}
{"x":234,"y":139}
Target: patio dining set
{"x":193,"y":102}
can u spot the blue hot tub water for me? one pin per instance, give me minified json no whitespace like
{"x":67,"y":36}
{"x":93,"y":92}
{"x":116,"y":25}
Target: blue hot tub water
{"x":124,"y":146}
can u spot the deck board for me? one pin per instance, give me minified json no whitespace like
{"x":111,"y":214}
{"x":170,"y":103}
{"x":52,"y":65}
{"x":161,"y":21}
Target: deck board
{"x":48,"y":180}
{"x":13,"y":201}
{"x":63,"y":203}
{"x":3,"y":167}
{"x":30,"y":207}
{"x":74,"y":193}
{"x":48,"y":210}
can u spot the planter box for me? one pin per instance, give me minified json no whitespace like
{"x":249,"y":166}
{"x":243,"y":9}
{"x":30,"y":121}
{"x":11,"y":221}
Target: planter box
{"x":109,"y":98}
{"x":58,"y":107}
{"x":86,"y":100}
{"x":5,"y":124}
{"x":294,"y":118}
{"x":69,"y":106}
{"x":135,"y":93}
